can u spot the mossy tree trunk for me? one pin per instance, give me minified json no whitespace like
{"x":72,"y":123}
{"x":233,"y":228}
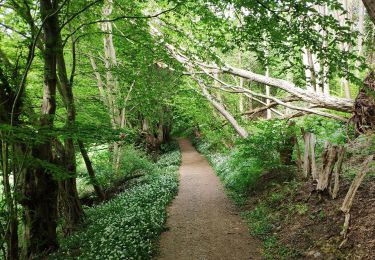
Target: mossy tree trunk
{"x":39,"y":186}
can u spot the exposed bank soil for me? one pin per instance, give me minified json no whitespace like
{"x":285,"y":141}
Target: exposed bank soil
{"x":315,"y":234}
{"x":202,"y":222}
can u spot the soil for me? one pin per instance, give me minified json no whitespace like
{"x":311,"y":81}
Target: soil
{"x":202,"y":222}
{"x":316,"y":234}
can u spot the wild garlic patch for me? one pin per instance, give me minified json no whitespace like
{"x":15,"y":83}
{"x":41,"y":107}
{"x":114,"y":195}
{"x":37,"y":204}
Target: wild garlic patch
{"x":127,"y":226}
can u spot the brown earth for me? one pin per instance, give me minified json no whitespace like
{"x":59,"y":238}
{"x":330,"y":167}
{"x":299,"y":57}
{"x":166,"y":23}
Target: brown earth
{"x":202,"y":222}
{"x":315,"y":231}
{"x":315,"y":234}
{"x":318,"y":231}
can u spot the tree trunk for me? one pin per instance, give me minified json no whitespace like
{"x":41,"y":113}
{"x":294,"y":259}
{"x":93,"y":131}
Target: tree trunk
{"x":345,"y":83}
{"x":361,"y":27}
{"x":309,"y":162}
{"x":7,"y":99}
{"x":336,"y":176}
{"x":370,"y":6}
{"x":39,"y":187}
{"x":309,"y":70}
{"x":110,"y":62}
{"x":323,"y":10}
{"x":329,"y":160}
{"x":317,"y":73}
{"x":241,"y":100}
{"x":313,"y":167}
{"x":90,"y":170}
{"x":268,"y":93}
{"x":239,"y":129}
{"x":68,"y":194}
{"x":338,"y":104}
{"x":11,"y":232}
{"x":334,"y":103}
{"x":299,"y":161}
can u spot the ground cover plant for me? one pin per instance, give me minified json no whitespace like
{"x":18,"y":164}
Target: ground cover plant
{"x":128,"y":226}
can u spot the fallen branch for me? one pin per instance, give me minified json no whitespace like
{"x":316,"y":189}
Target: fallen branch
{"x":280,"y":102}
{"x":348,"y":201}
{"x":271,"y":105}
{"x":334,"y":103}
{"x":219,"y":107}
{"x":250,"y":96}
{"x":345,"y":228}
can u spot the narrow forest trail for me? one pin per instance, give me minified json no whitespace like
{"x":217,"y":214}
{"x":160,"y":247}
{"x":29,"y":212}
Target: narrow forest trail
{"x":203,"y":223}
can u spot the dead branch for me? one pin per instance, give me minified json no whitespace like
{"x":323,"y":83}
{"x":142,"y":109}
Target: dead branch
{"x":271,"y":105}
{"x":348,"y":201}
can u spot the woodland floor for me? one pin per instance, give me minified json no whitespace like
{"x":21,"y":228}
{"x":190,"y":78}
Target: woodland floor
{"x":202,"y":222}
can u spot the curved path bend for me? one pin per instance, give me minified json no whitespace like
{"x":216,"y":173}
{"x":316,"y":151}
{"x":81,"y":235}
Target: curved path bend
{"x":202,"y":222}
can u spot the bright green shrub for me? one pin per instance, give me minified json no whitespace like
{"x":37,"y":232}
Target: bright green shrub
{"x":265,"y":142}
{"x":241,"y":168}
{"x":132,"y":161}
{"x":326,"y":129}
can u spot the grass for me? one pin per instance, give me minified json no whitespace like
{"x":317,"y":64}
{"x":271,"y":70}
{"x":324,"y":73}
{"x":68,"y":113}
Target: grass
{"x":128,"y":226}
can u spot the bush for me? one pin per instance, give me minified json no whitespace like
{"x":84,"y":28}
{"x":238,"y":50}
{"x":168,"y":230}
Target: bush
{"x":266,"y":142}
{"x":132,"y":161}
{"x":241,"y":168}
{"x":327,"y":129}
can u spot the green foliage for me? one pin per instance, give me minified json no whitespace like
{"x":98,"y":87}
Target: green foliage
{"x":266,"y":140}
{"x":241,"y":168}
{"x":133,"y":161}
{"x":239,"y":177}
{"x":259,"y":221}
{"x":172,"y":158}
{"x":263,"y":218}
{"x":127,"y":226}
{"x":326,"y":129}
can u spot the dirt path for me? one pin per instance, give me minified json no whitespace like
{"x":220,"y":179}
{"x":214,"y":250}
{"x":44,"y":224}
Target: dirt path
{"x":203,"y":223}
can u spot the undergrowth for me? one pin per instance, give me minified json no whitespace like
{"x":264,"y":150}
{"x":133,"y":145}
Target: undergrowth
{"x":275,"y":208}
{"x":251,"y":167}
{"x":127,"y":226}
{"x":241,"y":178}
{"x":261,"y":168}
{"x":242,"y":167}
{"x":133,"y":161}
{"x":237,"y":178}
